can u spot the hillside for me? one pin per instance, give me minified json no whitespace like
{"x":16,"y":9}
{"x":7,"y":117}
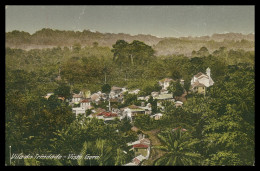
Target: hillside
{"x":48,"y":38}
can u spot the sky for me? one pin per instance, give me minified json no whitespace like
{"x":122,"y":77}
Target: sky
{"x":160,"y":21}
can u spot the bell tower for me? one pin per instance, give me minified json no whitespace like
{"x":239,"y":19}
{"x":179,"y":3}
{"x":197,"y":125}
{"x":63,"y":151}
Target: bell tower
{"x":208,"y":71}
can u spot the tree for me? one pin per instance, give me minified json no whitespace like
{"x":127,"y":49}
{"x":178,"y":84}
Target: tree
{"x":153,"y":102}
{"x":203,"y":51}
{"x":140,"y":52}
{"x":136,"y":52}
{"x":63,"y":90}
{"x":176,"y":88}
{"x":120,"y":50}
{"x":100,"y":148}
{"x":106,"y":88}
{"x":76,"y":47}
{"x":187,"y":85}
{"x":124,"y":125}
{"x":179,"y":148}
{"x":95,"y":44}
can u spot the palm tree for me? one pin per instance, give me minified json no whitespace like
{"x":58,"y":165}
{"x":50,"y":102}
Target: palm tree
{"x":99,"y":148}
{"x":179,"y":148}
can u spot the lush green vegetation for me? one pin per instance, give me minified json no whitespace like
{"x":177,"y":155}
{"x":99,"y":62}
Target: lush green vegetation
{"x":220,"y":126}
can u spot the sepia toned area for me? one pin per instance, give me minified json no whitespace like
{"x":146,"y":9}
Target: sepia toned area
{"x":147,"y":92}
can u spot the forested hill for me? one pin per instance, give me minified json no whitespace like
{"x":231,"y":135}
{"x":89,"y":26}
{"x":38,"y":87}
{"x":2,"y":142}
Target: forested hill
{"x":48,"y":38}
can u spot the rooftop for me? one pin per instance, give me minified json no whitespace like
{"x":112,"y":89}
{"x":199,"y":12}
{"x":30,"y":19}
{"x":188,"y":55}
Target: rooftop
{"x":199,"y":74}
{"x":85,"y":101}
{"x":77,"y":96}
{"x":116,"y":88}
{"x":107,"y":114}
{"x":164,"y":96}
{"x":197,"y":84}
{"x":140,"y":146}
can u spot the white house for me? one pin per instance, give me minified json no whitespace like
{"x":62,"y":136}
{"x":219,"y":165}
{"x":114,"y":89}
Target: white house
{"x":85,"y":103}
{"x":115,"y":92}
{"x":132,"y":111}
{"x":154,"y":94}
{"x":134,"y":91}
{"x":141,"y":149}
{"x":95,"y":97}
{"x":178,"y":104}
{"x":79,"y":110}
{"x":165,"y":83}
{"x":76,"y":98}
{"x":164,"y":97}
{"x":157,"y":116}
{"x":203,"y":78}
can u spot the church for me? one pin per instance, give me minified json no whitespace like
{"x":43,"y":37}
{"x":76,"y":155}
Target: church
{"x":200,"y":81}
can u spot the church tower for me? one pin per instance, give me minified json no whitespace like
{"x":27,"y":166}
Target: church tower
{"x":208,"y":71}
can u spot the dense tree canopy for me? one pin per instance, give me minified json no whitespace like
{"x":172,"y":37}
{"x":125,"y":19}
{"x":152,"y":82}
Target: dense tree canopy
{"x":223,"y":121}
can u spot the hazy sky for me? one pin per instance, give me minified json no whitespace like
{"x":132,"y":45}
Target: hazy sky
{"x":161,"y":21}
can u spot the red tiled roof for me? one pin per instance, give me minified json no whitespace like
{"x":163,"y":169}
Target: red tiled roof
{"x":107,"y":114}
{"x":140,"y":146}
{"x":85,"y":101}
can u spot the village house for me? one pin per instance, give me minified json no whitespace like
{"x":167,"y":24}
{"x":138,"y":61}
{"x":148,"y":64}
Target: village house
{"x":163,"y":97}
{"x":178,"y":104}
{"x":198,"y":88}
{"x":156,"y":116}
{"x":182,"y":82}
{"x":95,"y":112}
{"x":200,"y":82}
{"x":154,"y":94}
{"x":134,"y":91}
{"x":141,"y":149}
{"x":144,"y":98}
{"x":115,"y":92}
{"x":76,"y":98}
{"x":106,"y":116}
{"x":165,"y":83}
{"x":132,"y":111}
{"x":95,"y":98}
{"x":147,"y":108}
{"x":79,"y":110}
{"x":86,"y":103}
{"x":136,"y":161}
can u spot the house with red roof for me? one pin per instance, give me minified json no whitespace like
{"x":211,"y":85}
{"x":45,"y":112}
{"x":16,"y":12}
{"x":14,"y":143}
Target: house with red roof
{"x":86,"y":103}
{"x":141,"y":149}
{"x":106,"y":116}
